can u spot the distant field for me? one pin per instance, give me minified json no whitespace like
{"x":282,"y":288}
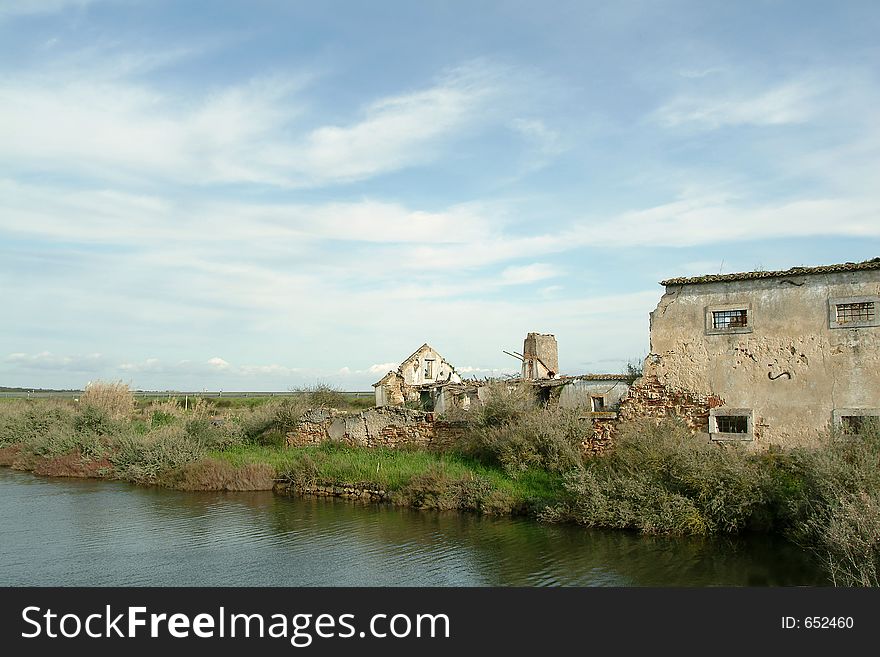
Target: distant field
{"x":45,"y":394}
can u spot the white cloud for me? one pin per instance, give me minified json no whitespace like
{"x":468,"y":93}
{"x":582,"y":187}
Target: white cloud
{"x":788,"y":103}
{"x":46,"y":360}
{"x":528,"y":274}
{"x":218,"y":363}
{"x":382,"y":368}
{"x":99,"y":120}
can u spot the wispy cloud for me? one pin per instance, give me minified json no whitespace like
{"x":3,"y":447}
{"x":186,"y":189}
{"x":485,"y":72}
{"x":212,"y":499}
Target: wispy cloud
{"x":101,"y":121}
{"x":788,"y":103}
{"x":537,"y":271}
{"x":46,"y":360}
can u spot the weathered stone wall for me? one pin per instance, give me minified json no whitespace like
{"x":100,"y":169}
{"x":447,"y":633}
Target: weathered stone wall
{"x":651,"y":398}
{"x":387,"y":426}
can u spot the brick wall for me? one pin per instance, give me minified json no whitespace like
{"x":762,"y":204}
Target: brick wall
{"x":652,"y":399}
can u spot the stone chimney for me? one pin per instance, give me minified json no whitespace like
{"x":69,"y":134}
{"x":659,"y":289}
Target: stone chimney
{"x":541,"y":357}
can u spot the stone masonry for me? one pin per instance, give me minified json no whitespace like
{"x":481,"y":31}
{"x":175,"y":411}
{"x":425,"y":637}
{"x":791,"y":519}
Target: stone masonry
{"x":385,"y":426}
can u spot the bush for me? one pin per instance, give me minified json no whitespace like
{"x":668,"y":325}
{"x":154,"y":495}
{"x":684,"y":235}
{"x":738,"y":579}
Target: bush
{"x":143,"y":458}
{"x":323,"y":395}
{"x":504,"y":404}
{"x":27,"y":421}
{"x":435,"y":489}
{"x":550,"y":439}
{"x":213,"y":474}
{"x":113,"y":399}
{"x":662,"y":479}
{"x":833,"y":506}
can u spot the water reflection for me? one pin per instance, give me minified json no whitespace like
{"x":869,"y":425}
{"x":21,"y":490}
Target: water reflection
{"x":72,"y":532}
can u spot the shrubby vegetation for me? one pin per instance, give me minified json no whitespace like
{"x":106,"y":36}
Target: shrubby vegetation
{"x":515,"y":457}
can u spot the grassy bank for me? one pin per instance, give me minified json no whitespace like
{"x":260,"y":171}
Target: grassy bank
{"x":515,"y":458}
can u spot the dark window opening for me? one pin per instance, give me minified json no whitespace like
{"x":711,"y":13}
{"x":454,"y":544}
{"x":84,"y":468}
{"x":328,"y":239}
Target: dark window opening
{"x":598,"y":404}
{"x":426,"y":400}
{"x":732,"y":423}
{"x":853,"y":424}
{"x":429,"y":368}
{"x":728,"y":319}
{"x":544,"y":395}
{"x":848,"y":313}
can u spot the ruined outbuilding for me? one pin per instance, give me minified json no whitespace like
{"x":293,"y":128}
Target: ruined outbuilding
{"x":765,"y":357}
{"x":415,"y":378}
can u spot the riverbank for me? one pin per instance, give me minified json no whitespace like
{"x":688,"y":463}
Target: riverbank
{"x":514,"y":459}
{"x":417,"y":478}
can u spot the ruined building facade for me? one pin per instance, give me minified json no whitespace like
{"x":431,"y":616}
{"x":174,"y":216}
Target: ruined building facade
{"x":772,"y":357}
{"x":413,"y":380}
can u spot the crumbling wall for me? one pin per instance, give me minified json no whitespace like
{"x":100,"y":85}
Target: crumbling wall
{"x":540,"y":356}
{"x":602,"y":437}
{"x":387,"y":426}
{"x":649,"y":397}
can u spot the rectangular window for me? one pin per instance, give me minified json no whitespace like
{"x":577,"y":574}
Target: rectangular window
{"x":847,"y":313}
{"x":856,"y":421}
{"x":429,"y":368}
{"x":597,"y":403}
{"x":728,"y":319}
{"x":730,"y":424}
{"x":853,"y":312}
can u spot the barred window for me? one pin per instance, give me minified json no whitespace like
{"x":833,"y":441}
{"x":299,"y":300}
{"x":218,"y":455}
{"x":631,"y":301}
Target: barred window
{"x":847,"y":313}
{"x":732,"y":423}
{"x":728,"y":319}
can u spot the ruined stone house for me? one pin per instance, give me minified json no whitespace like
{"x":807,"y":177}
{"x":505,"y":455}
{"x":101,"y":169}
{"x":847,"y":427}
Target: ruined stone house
{"x":415,"y":378}
{"x":769,"y":357}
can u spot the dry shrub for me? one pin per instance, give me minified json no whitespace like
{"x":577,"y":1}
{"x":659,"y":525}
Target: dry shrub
{"x":214,"y":474}
{"x":435,"y":489}
{"x":660,"y":479}
{"x":143,"y":459}
{"x":8,"y":454}
{"x":72,"y":464}
{"x":516,"y":435}
{"x":113,"y":399}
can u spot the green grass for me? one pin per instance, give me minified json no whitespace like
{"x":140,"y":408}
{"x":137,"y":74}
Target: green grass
{"x":393,"y":469}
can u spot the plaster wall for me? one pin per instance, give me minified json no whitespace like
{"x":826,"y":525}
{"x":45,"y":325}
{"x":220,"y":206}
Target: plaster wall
{"x":791,"y":367}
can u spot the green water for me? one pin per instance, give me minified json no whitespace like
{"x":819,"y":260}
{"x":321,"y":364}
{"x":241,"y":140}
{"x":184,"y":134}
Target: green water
{"x":97,"y":533}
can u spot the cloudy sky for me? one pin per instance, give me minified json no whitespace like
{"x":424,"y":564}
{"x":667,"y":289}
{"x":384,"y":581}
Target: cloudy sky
{"x":262,"y":195}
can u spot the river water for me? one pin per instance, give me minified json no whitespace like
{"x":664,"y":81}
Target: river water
{"x":98,"y":533}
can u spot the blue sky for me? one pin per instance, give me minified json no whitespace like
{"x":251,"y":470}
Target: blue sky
{"x":263,"y":195}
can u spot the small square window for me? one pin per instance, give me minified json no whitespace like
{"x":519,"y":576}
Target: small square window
{"x":597,"y":403}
